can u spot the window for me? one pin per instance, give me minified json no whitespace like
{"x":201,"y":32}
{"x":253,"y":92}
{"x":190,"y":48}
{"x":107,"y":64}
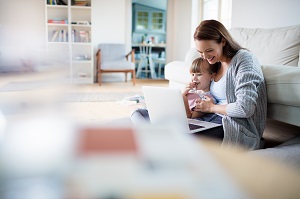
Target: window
{"x":225,"y":17}
{"x":210,"y":9}
{"x":219,"y":10}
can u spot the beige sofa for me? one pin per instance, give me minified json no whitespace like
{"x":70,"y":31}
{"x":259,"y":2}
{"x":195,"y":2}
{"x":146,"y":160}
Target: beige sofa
{"x":278,"y":51}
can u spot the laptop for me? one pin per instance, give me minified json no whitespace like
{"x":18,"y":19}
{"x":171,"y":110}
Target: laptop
{"x":165,"y":104}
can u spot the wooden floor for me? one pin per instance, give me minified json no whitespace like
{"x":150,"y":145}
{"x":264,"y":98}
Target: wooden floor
{"x":278,"y":132}
{"x":275,"y":132}
{"x":104,"y":112}
{"x":98,"y":112}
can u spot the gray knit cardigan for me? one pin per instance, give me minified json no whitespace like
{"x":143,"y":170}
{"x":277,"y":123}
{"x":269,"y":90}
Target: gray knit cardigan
{"x":247,"y":102}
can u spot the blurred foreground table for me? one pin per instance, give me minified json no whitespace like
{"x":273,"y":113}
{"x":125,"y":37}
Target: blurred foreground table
{"x":45,"y":154}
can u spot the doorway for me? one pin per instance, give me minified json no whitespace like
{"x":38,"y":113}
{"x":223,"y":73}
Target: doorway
{"x":149,"y":31}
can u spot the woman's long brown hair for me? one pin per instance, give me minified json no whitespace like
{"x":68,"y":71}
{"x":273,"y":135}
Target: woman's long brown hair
{"x":214,"y":30}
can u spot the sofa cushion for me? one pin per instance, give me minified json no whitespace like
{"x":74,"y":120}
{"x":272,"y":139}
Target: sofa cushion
{"x":283,"y":84}
{"x":277,"y":46}
{"x":117,"y":65}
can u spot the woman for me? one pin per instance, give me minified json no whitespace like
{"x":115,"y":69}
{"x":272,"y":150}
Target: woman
{"x":238,"y":86}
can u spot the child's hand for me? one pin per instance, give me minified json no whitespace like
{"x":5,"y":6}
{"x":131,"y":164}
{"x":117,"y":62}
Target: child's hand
{"x":193,"y":86}
{"x":189,"y":87}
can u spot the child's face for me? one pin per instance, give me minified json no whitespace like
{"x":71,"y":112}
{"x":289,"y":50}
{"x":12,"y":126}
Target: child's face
{"x":202,"y":79}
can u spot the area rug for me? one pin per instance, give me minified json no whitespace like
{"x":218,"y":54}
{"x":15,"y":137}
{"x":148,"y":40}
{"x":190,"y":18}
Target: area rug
{"x":30,"y":85}
{"x":21,"y":86}
{"x":103,"y":97}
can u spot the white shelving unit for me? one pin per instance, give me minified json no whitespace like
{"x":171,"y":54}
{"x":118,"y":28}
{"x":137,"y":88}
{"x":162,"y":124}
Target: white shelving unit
{"x":69,"y":39}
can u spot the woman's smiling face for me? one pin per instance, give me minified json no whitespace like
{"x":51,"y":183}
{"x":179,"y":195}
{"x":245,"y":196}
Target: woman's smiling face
{"x":210,"y":50}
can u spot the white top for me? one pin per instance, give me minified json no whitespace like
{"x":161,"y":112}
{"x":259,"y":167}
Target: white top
{"x":218,"y":90}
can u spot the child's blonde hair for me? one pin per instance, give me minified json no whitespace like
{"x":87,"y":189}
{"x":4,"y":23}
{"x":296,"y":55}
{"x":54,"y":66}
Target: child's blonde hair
{"x":197,"y":66}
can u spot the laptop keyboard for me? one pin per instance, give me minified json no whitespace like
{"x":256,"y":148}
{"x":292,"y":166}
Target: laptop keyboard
{"x":193,"y":126}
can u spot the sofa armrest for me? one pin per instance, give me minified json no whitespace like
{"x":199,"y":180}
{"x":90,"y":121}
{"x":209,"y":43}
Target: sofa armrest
{"x":283,"y":84}
{"x":178,"y":71}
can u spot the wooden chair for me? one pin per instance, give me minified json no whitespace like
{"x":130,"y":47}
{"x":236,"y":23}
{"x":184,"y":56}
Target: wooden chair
{"x":146,"y":64}
{"x":112,"y":58}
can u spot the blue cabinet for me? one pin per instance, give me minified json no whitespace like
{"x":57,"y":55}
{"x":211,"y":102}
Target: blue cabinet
{"x":148,"y":24}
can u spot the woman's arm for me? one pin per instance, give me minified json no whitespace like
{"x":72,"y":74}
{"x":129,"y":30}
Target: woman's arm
{"x":247,"y":79}
{"x":221,"y":109}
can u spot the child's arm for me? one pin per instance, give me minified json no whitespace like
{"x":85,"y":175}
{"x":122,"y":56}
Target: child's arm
{"x":197,"y":114}
{"x":187,"y":107}
{"x":190,"y":113}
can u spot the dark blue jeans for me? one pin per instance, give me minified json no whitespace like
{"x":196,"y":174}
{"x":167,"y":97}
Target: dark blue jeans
{"x":215,"y":133}
{"x":211,"y":117}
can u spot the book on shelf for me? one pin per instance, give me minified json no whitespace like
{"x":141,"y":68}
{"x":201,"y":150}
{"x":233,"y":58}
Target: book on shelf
{"x":58,"y":21}
{"x":81,"y":22}
{"x":90,"y":35}
{"x":55,"y":34}
{"x":64,"y":35}
{"x":73,"y":35}
{"x":57,"y":2}
{"x":63,"y":2}
{"x":59,"y":36}
{"x":80,"y":3}
{"x":81,"y":36}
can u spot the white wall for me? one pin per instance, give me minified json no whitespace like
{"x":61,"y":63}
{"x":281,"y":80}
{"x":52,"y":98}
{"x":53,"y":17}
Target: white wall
{"x":179,"y":29}
{"x":22,"y":23}
{"x":265,"y":13}
{"x":22,"y":31}
{"x":110,"y":21}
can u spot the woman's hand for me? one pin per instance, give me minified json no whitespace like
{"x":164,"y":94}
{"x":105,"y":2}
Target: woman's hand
{"x":205,"y":105}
